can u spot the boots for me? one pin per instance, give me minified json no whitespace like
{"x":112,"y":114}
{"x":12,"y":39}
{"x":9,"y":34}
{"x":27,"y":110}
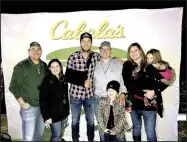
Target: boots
{"x":62,"y":140}
{"x":137,"y":138}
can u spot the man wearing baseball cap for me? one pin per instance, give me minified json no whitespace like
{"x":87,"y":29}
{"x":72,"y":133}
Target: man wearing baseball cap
{"x":25,"y":83}
{"x":79,"y":73}
{"x":106,"y":70}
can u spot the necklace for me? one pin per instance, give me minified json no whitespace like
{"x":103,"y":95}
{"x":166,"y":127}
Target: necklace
{"x":105,"y":71}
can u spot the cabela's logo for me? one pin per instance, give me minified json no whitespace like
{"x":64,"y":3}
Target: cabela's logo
{"x":102,"y":32}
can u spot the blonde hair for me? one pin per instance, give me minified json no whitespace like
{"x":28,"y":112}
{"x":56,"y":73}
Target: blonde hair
{"x":142,"y":53}
{"x":157,"y":58}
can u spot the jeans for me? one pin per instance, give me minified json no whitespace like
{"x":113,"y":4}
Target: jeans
{"x":97,"y":100}
{"x":76,"y":105}
{"x":149,"y":118}
{"x":56,"y":130}
{"x":32,"y":124}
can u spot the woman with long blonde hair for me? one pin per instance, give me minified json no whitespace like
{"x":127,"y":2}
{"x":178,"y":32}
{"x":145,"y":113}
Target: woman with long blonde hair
{"x":154,"y":57}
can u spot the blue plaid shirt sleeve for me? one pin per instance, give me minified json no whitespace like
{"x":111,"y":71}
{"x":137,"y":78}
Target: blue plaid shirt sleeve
{"x":70,"y":63}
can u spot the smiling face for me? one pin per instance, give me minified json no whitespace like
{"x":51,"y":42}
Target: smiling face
{"x":135,"y":53}
{"x":35,"y":53}
{"x":105,"y":52}
{"x":86,"y":44}
{"x":112,"y":93}
{"x":149,"y":58}
{"x":55,"y":68}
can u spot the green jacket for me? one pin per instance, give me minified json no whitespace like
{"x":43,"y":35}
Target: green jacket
{"x":26,"y":80}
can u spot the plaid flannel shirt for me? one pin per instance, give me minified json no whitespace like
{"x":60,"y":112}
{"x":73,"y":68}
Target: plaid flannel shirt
{"x":78,"y":63}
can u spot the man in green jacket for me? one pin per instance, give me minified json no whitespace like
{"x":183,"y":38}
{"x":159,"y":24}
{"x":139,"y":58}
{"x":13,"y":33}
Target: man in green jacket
{"x":25,"y":83}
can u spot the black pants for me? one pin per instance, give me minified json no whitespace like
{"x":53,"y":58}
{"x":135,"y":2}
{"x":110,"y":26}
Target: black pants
{"x":110,"y":138}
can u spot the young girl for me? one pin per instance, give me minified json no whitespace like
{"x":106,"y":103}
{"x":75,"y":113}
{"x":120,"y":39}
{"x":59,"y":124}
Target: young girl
{"x":111,"y":115}
{"x":154,"y":57}
{"x":54,"y":102}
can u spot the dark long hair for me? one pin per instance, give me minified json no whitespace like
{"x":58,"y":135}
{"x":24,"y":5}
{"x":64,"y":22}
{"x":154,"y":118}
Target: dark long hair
{"x":142,"y":54}
{"x":60,"y":64}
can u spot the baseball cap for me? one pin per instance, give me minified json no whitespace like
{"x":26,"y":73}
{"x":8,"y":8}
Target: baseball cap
{"x":86,"y":35}
{"x":105,"y":43}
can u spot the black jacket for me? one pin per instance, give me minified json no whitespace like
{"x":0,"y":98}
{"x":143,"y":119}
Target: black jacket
{"x":78,"y":77}
{"x":147,"y":78}
{"x":54,"y":102}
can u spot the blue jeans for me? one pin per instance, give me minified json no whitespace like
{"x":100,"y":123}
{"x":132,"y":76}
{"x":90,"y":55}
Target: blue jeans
{"x":97,"y":100}
{"x":32,"y":124}
{"x":149,"y":118}
{"x":76,"y":105}
{"x":56,"y":130}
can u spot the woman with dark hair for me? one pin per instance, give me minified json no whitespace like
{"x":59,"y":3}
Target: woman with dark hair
{"x":142,"y":81}
{"x":54,"y":102}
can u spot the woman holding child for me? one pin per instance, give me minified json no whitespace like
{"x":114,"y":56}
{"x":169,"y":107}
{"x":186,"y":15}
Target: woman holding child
{"x":145,"y":83}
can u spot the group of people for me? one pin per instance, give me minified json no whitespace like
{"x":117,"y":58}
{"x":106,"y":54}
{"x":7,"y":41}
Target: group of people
{"x":99,"y":83}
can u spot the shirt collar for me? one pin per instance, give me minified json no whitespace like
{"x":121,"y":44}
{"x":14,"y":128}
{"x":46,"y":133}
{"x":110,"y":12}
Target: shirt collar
{"x":31,"y":62}
{"x":80,"y":53}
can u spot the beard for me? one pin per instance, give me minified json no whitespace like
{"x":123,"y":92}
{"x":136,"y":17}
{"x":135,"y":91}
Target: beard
{"x":83,"y":50}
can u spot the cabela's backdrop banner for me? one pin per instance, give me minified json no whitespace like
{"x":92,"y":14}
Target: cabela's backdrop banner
{"x":58,"y":34}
